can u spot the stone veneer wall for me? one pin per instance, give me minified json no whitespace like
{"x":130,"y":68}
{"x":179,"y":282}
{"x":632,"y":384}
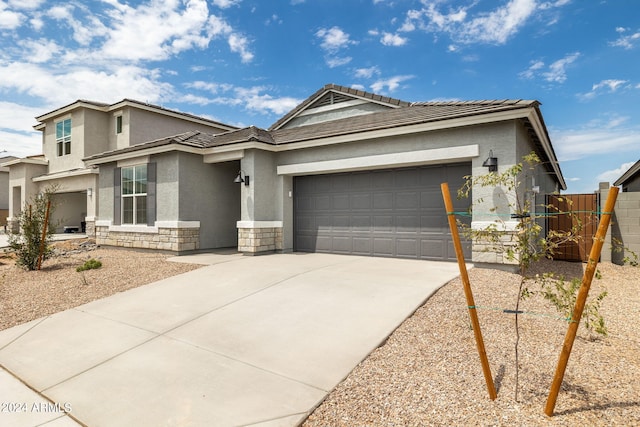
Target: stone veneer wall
{"x":90,"y":228}
{"x":168,"y":239}
{"x":258,"y":240}
{"x":494,"y":253}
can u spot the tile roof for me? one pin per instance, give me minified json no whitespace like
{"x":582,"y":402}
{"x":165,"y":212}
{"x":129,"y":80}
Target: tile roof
{"x":195,"y":139}
{"x":415,"y":113}
{"x":124,"y":102}
{"x":341,"y":89}
{"x":410,"y":114}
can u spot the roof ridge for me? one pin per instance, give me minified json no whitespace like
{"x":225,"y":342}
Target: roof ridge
{"x":523,"y":102}
{"x":337,"y":88}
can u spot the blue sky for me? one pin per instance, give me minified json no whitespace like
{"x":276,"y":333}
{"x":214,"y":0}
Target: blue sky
{"x":248,"y":62}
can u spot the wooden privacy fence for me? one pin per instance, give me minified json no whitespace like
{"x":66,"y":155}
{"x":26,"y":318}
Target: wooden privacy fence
{"x":566,"y":211}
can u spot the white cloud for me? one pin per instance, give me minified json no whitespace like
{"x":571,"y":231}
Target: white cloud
{"x":337,"y":61}
{"x":530,"y":72}
{"x":253,"y":99}
{"x":367,"y":73}
{"x":613,"y":174}
{"x":16,"y":133}
{"x":464,"y":25}
{"x":576,"y":144}
{"x":557,"y":70}
{"x":84,"y":83}
{"x":9,"y":19}
{"x":156,"y":30}
{"x":240,"y":44}
{"x":224,"y":4}
{"x":333,"y":39}
{"x":26,"y":4}
{"x":391,"y":84}
{"x":389,"y":39}
{"x":605,"y":86}
{"x":41,"y":50}
{"x":626,"y":41}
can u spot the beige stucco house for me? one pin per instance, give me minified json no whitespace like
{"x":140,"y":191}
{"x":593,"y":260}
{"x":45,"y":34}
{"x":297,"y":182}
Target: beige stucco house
{"x":78,"y":130}
{"x":346,"y":171}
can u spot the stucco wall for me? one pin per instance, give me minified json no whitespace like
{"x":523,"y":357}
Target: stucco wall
{"x":21,"y":183}
{"x":70,"y":209}
{"x":208,"y":194}
{"x":105,"y":192}
{"x":96,"y":133}
{"x":633,"y":184}
{"x":4,"y":190}
{"x":187,"y":189}
{"x":143,"y":126}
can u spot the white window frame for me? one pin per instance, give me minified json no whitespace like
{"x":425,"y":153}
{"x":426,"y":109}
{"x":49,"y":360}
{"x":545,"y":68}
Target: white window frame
{"x":135,"y":195}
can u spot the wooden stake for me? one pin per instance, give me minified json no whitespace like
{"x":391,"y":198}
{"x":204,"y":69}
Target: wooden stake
{"x":581,"y":300}
{"x":473,"y":314}
{"x":44,"y":234}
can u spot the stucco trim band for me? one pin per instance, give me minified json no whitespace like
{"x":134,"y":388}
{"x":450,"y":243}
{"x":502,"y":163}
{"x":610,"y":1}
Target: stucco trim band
{"x":147,"y":228}
{"x":380,"y":161}
{"x":259,"y":224}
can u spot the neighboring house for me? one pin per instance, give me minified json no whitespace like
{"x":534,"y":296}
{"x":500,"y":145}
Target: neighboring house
{"x":83,"y":129}
{"x":4,"y":190}
{"x":624,"y":235}
{"x":630,"y":180}
{"x":346,"y":172}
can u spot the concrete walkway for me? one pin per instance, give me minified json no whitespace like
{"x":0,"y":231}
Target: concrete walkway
{"x":244,"y":341}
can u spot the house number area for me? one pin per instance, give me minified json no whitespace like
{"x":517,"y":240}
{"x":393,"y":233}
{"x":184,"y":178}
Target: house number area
{"x":16,"y":407}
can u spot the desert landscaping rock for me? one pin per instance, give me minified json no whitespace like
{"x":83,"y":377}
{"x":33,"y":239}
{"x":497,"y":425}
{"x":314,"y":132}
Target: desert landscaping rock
{"x":29,"y":295}
{"x":429,"y":373}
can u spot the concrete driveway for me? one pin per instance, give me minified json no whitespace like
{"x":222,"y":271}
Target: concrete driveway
{"x":244,"y":341}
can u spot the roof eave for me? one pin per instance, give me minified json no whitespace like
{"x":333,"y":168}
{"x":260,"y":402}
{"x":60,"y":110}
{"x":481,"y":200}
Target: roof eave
{"x":628,"y":174}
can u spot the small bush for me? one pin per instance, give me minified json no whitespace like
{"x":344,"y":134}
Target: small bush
{"x":89,"y":265}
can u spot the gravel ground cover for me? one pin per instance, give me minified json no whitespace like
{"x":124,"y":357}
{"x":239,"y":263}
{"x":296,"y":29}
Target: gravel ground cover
{"x":29,"y":295}
{"x":428,"y":372}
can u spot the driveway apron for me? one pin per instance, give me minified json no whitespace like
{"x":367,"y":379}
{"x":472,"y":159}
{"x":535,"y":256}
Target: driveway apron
{"x":243,"y":341}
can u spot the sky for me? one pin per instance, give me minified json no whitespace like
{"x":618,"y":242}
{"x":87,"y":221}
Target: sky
{"x":248,"y":62}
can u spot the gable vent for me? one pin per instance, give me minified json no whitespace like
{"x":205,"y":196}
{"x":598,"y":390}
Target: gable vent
{"x":330,"y":99}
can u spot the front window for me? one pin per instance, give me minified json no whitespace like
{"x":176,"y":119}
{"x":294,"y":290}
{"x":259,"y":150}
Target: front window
{"x":63,"y":137}
{"x":119,"y":124}
{"x":134,"y":195}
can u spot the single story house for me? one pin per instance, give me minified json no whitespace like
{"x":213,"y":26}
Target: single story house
{"x":630,"y":180}
{"x":346,"y":171}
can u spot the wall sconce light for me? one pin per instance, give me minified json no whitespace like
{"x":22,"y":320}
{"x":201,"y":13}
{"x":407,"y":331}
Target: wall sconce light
{"x":491,"y":162}
{"x":89,"y":192}
{"x":242,"y":177}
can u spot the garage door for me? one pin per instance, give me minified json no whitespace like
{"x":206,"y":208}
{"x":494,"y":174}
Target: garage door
{"x":389,"y":213}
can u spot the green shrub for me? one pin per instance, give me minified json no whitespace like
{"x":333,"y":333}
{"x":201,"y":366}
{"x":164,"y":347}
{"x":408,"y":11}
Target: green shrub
{"x":89,"y":265}
{"x":26,"y":243}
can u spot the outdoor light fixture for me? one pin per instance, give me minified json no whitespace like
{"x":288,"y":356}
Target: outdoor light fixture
{"x":89,"y":191}
{"x":240,"y":178}
{"x":491,"y":162}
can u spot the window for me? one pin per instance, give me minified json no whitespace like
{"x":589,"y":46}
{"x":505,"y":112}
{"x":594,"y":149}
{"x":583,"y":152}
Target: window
{"x":134,"y":195}
{"x":63,"y":137}
{"x":119,"y":124}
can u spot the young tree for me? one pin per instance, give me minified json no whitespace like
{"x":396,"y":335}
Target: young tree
{"x":525,"y":242}
{"x":28,"y":240}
